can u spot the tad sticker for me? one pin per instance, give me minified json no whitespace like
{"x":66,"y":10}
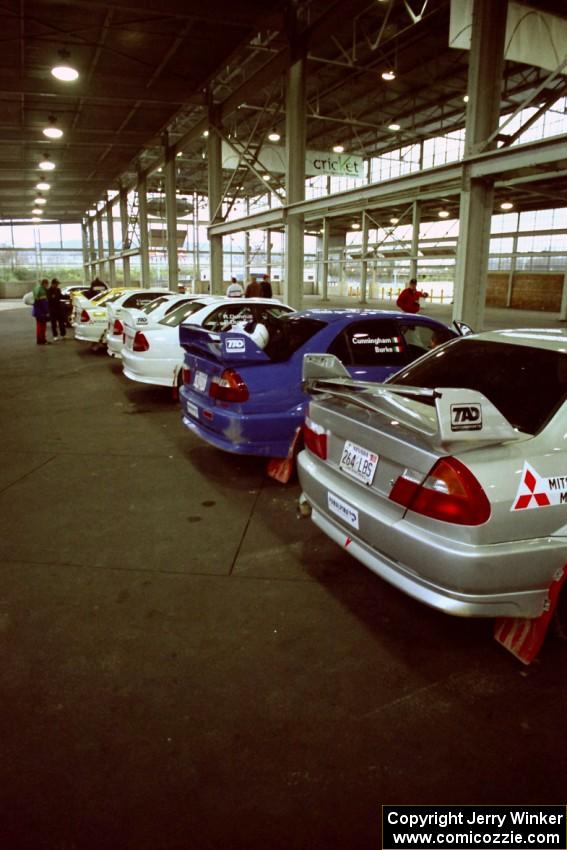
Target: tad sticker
{"x":466,"y":417}
{"x":235,"y":344}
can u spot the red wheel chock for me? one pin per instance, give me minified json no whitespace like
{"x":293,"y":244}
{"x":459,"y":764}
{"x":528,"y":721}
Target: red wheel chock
{"x":282,"y":468}
{"x":524,"y":638}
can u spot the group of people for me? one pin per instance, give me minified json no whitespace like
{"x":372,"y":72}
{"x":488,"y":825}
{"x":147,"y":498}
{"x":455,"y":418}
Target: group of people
{"x":261,"y":288}
{"x":49,"y":305}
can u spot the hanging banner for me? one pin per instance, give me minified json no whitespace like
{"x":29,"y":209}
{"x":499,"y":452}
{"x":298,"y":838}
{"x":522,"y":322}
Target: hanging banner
{"x":271,"y":159}
{"x":533,"y":37}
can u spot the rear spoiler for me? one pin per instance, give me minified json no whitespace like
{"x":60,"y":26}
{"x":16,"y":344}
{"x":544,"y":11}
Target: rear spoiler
{"x":226,"y":347}
{"x":463,"y":415}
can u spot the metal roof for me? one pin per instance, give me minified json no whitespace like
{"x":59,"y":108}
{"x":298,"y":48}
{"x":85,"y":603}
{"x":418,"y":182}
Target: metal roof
{"x":151,"y":67}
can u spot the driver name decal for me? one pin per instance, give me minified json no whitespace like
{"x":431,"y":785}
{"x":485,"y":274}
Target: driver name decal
{"x":535,"y":491}
{"x":382,"y":345}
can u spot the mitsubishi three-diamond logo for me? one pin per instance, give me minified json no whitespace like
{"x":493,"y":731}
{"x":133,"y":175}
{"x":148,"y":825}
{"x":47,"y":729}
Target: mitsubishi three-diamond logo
{"x":535,"y":491}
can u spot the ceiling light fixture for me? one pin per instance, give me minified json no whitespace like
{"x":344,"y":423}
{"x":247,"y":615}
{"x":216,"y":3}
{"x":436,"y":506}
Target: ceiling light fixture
{"x":443,"y":214}
{"x":338,"y":149}
{"x":42,"y":186}
{"x":274,"y":136}
{"x":37,"y":211}
{"x":36,"y":218}
{"x":205,"y":134}
{"x":40,"y":200}
{"x":389,"y":75}
{"x":46,"y":164}
{"x":506,"y":205}
{"x":394,"y":220}
{"x":179,"y":153}
{"x":51,"y":131}
{"x":267,"y":176}
{"x":466,"y":99}
{"x":63,"y":70}
{"x":355,"y":225}
{"x":394,"y":127}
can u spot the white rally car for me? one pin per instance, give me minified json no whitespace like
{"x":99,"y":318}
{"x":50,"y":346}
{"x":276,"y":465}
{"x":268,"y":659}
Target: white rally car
{"x":154,"y":355}
{"x":130,"y":299}
{"x":90,"y":315}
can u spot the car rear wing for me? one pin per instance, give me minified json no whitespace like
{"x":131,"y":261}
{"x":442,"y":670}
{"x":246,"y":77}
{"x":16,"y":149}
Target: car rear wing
{"x":227,"y":347}
{"x":461,"y":415}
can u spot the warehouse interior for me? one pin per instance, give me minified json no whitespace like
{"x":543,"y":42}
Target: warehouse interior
{"x":187,"y":666}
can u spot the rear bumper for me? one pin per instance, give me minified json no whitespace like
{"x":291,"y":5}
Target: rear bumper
{"x":90,"y":333}
{"x":160,"y":372}
{"x":263,"y":435}
{"x":114,"y":345}
{"x":500,"y":580}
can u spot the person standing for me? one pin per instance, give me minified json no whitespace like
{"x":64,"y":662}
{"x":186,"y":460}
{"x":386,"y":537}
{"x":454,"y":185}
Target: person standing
{"x":254,"y":289}
{"x":408,"y":299}
{"x":56,"y":310}
{"x":40,"y":311}
{"x":266,"y":286}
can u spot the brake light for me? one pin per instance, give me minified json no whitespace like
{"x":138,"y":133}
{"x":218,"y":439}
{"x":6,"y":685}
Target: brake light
{"x":118,"y":327}
{"x":85,"y":316}
{"x":315,"y":438}
{"x":229,"y":387}
{"x":186,"y":375}
{"x":450,"y":493}
{"x":140,"y":342}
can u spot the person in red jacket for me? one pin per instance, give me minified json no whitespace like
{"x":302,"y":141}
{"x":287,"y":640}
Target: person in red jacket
{"x":408,"y":299}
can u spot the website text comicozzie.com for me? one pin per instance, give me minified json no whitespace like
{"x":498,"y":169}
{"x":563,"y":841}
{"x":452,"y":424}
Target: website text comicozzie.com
{"x":479,"y":827}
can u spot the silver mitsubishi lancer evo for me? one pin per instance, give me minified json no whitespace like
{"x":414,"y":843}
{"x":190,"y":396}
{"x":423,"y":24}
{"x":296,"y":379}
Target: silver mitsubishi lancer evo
{"x":449,"y":480}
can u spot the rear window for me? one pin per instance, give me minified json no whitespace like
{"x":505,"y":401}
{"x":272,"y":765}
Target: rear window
{"x":140,"y":299}
{"x":174,"y":319}
{"x":157,"y":302}
{"x":288,"y":333}
{"x":526,"y":384}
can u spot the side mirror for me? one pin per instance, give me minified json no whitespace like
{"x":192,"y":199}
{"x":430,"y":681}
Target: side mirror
{"x":462,"y":328}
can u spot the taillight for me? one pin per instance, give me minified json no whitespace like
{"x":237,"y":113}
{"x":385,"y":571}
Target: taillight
{"x":85,"y":316}
{"x":450,"y":493}
{"x":140,"y":342}
{"x":186,"y":375}
{"x":229,"y":387}
{"x":315,"y":438}
{"x":118,"y":327}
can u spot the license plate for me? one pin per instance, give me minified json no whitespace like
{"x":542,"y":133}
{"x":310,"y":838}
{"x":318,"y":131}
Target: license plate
{"x":200,"y":381}
{"x":192,"y":409}
{"x":358,"y":462}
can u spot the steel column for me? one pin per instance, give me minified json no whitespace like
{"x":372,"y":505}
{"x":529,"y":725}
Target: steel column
{"x":364,"y":261}
{"x":124,"y":231}
{"x":295,"y":181}
{"x":110,"y":232}
{"x":214,"y":157}
{"x":171,"y":216}
{"x":100,"y":239}
{"x":85,"y":237}
{"x":92,"y":248}
{"x":143,"y":222}
{"x":415,"y":222}
{"x":486,"y":62}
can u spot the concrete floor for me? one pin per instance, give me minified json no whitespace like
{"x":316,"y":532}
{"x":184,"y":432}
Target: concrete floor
{"x":187,"y":666}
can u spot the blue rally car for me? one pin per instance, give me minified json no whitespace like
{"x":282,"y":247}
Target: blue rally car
{"x":242,"y":388}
